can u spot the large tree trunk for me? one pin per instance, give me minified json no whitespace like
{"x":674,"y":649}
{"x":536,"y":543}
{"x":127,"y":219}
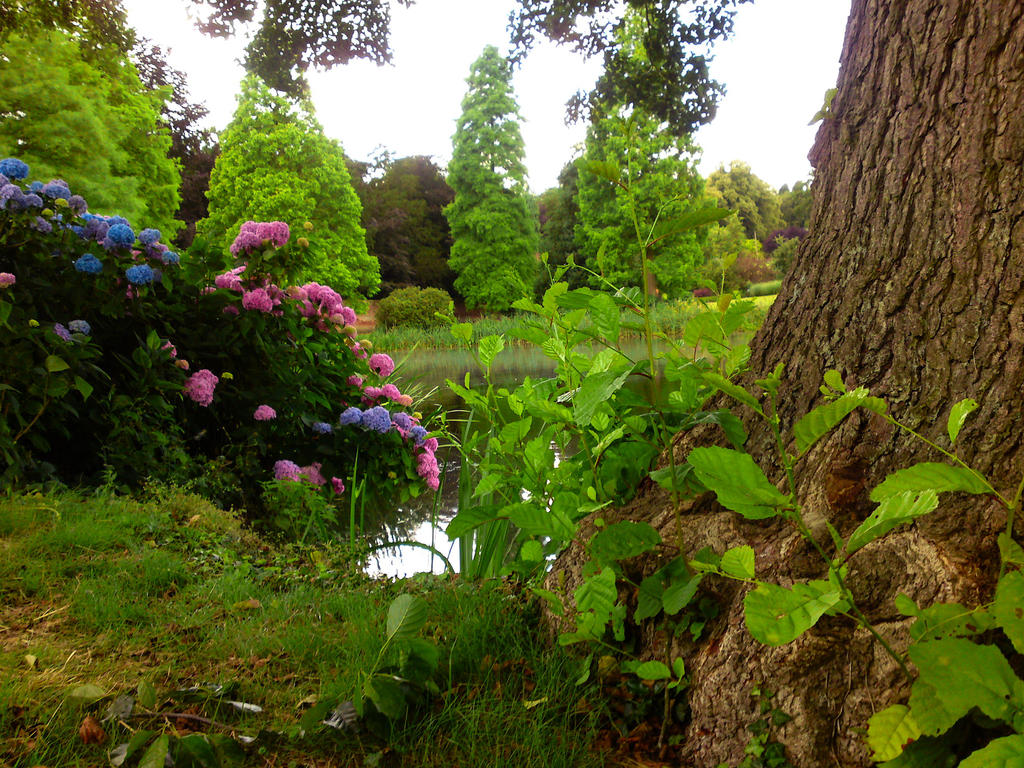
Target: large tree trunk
{"x":911,"y":283}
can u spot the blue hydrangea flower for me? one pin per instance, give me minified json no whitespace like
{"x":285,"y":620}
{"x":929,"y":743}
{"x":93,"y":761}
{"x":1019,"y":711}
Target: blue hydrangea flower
{"x":56,"y":190}
{"x":112,"y":220}
{"x":32,"y":200}
{"x":13,"y":168}
{"x":149,"y":236}
{"x":80,"y":326}
{"x":419,"y":434}
{"x":120,"y":235}
{"x":402,"y":420}
{"x":89,"y":264}
{"x":350,"y":416}
{"x":35,"y":186}
{"x":170,"y":257}
{"x":321,"y":427}
{"x":377,"y":418}
{"x":140,"y":274}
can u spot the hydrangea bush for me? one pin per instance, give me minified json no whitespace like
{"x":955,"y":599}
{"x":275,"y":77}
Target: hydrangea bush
{"x":112,"y":361}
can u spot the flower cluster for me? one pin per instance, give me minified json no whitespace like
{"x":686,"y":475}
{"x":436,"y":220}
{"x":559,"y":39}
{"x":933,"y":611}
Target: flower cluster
{"x":7,"y":279}
{"x":200,"y":386}
{"x":265,"y":413}
{"x":255,"y":234}
{"x":140,"y":274}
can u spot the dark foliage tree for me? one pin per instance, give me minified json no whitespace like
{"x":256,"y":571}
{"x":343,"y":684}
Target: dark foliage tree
{"x":909,"y":283}
{"x":795,"y":204}
{"x":493,"y":218}
{"x":100,"y":25}
{"x":559,"y":210}
{"x":406,"y":230}
{"x":193,"y":146}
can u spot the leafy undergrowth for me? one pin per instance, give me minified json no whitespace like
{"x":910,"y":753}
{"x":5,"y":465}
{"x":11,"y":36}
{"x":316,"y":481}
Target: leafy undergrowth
{"x":168,"y":618}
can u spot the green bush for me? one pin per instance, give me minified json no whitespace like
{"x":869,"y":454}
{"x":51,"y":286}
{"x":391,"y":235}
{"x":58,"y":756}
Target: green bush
{"x":417,"y":307}
{"x":764,"y":289}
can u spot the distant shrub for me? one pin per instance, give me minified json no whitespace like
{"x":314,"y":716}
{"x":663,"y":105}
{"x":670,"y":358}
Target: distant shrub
{"x":752,"y":268}
{"x":702,"y":293}
{"x":764,"y":289}
{"x":776,"y":238}
{"x":416,"y":307}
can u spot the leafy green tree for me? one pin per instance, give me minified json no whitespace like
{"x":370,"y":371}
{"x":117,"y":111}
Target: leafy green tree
{"x":89,"y":120}
{"x":795,"y":204}
{"x":493,"y":218}
{"x":559,"y":216}
{"x":276,"y":164}
{"x":405,"y":225}
{"x":756,"y":204}
{"x":659,"y":170}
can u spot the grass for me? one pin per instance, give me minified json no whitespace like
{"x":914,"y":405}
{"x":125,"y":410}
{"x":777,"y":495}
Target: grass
{"x":176,"y":594}
{"x":669,"y":316}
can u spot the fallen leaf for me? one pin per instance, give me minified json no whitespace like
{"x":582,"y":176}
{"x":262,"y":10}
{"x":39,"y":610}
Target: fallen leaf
{"x":247,"y":605}
{"x":31,"y":660}
{"x":193,"y":520}
{"x":91,"y":732}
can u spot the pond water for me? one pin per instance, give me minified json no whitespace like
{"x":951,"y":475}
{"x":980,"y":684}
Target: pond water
{"x":424,"y":520}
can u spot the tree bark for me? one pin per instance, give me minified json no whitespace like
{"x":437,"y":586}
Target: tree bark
{"x":911,"y":283}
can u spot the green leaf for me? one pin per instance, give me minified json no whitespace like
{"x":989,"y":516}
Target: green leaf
{"x":679,"y":593}
{"x":406,"y":616}
{"x":467,"y":520}
{"x":595,"y":389}
{"x":690,"y":220}
{"x":926,"y":752}
{"x":597,"y":594}
{"x":1009,"y":550}
{"x":536,"y":521}
{"x":119,"y":755}
{"x":84,"y":695}
{"x":463,"y":332}
{"x":930,"y":476}
{"x":890,"y":730}
{"x":156,"y":755}
{"x":738,"y":482}
{"x":386,"y":694}
{"x":738,"y":562}
{"x":648,"y":599}
{"x":84,"y":387}
{"x":1009,"y":608}
{"x":147,"y":695}
{"x":893,"y":511}
{"x":776,"y":615}
{"x":606,"y":169}
{"x":958,"y":415}
{"x":532,"y":551}
{"x":419,"y":659}
{"x":623,"y":540}
{"x":956,"y":675}
{"x":554,"y":601}
{"x":199,"y":748}
{"x":835,"y":380}
{"x":732,"y":390}
{"x":650,"y":670}
{"x":1007,"y":752}
{"x":54,"y":364}
{"x":821,"y":420}
{"x":489,"y":347}
{"x":605,"y":314}
{"x":947,"y":620}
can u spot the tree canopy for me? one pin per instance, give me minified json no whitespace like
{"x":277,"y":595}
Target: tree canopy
{"x":276,"y":164}
{"x":493,"y":218}
{"x":756,"y":204}
{"x":89,"y":120}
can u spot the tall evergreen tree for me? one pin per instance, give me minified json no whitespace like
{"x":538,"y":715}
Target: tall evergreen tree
{"x":276,"y":164}
{"x":88,"y":119}
{"x":493,"y":218}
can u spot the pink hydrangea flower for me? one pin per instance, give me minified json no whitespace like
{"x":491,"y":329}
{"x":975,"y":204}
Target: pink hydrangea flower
{"x":257,"y":299}
{"x":297,"y":292}
{"x":200,"y":386}
{"x":231,"y":309}
{"x":265,"y":413}
{"x":6,"y":279}
{"x":170,"y":349}
{"x":231,"y":279}
{"x":390,"y":391}
{"x":355,"y":381}
{"x":253,"y":234}
{"x":286,"y":470}
{"x":382,"y":364}
{"x":426,"y":467}
{"x":313,"y":475}
{"x":338,"y":485}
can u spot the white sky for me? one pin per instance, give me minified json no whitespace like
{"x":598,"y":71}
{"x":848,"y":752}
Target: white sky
{"x":783,"y":56}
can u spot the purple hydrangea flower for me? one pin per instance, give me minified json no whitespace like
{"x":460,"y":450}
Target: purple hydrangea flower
{"x":13,"y":168}
{"x":62,"y":332}
{"x":77,"y":204}
{"x":112,"y":220}
{"x":322,"y":428}
{"x":32,"y":201}
{"x":377,"y":419}
{"x":42,"y":225}
{"x":119,"y":235}
{"x":140,"y":274}
{"x":402,"y":420}
{"x":80,"y":326}
{"x":338,"y":485}
{"x":350,"y":416}
{"x":89,"y":264}
{"x":419,"y":434}
{"x":286,"y":470}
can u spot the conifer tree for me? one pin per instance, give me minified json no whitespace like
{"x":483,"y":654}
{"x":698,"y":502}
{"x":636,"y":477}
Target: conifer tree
{"x":493,"y":218}
{"x":276,"y":164}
